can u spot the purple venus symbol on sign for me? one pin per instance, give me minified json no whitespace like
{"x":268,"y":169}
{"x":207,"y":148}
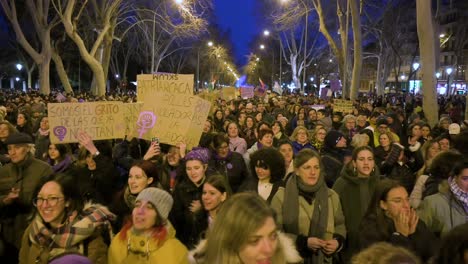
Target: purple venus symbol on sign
{"x":146,"y":121}
{"x":60,"y":132}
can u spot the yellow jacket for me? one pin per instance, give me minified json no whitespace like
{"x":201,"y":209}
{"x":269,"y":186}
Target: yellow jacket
{"x":146,"y":250}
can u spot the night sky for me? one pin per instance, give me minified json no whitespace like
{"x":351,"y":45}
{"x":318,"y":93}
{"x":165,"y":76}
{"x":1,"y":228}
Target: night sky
{"x":239,"y":17}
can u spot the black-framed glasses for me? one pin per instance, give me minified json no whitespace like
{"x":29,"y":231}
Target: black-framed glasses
{"x":52,"y":201}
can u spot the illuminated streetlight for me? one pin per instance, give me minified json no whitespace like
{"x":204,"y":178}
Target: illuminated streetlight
{"x":179,"y":2}
{"x":17,"y":79}
{"x":437,"y":75}
{"x":117,"y":76}
{"x":449,"y":71}
{"x":262,"y":46}
{"x":210,"y":43}
{"x":312,"y":79}
{"x":266,"y":33}
{"x":442,"y":35}
{"x":257,"y":59}
{"x":330,"y":60}
{"x":19,"y":67}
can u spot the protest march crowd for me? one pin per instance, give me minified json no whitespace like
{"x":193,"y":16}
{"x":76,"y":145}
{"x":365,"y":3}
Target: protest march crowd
{"x":274,"y":179}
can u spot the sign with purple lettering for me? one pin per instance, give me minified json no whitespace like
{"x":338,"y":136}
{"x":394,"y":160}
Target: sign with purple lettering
{"x":101,"y":120}
{"x":173,"y":116}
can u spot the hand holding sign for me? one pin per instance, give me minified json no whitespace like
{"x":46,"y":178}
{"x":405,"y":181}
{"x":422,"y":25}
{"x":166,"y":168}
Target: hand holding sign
{"x":86,"y":141}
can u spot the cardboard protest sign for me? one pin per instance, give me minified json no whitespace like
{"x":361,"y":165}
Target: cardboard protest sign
{"x":131,"y":112}
{"x":229,"y":93}
{"x":101,"y":120}
{"x":173,"y":117}
{"x":164,"y":82}
{"x":247,"y":91}
{"x":209,"y":96}
{"x":344,"y":106}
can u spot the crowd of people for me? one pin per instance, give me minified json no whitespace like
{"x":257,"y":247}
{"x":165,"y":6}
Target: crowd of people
{"x":277,"y":179}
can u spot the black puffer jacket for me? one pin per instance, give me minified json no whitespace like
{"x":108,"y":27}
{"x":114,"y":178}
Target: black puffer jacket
{"x":181,"y":217}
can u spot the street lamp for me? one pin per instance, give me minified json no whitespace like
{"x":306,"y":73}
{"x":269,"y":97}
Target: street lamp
{"x":449,"y":71}
{"x":266,"y":33}
{"x":19,"y":67}
{"x":402,"y":79}
{"x":209,"y":44}
{"x":262,"y":47}
{"x":415,"y":68}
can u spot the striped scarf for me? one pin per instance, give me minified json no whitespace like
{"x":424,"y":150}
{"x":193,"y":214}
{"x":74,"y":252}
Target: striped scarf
{"x":459,"y":193}
{"x":69,"y":237}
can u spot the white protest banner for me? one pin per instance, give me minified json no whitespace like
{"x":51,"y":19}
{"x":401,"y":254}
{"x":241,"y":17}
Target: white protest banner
{"x":173,"y":117}
{"x":164,"y":82}
{"x":101,"y":120}
{"x":317,"y":106}
{"x":343,"y":106}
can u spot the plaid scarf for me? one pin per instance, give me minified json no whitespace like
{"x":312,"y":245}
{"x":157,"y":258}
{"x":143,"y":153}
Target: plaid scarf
{"x":68,"y":238}
{"x":459,"y":193}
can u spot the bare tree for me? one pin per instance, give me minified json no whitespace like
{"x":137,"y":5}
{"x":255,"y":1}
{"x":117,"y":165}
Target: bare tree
{"x":293,"y":38}
{"x":43,"y":24}
{"x":98,"y":55}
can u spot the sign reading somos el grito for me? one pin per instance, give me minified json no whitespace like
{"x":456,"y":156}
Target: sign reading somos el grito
{"x":172,"y":115}
{"x":101,"y":120}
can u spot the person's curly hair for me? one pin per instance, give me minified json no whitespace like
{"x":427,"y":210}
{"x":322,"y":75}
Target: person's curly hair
{"x":268,"y":158}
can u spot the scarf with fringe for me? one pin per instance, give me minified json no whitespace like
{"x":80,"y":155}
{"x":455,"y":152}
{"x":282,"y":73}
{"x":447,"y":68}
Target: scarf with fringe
{"x":68,"y":237}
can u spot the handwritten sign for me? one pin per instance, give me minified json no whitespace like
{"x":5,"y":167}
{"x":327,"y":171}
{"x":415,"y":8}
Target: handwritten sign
{"x":173,"y":117}
{"x":229,"y":93}
{"x":247,"y":92}
{"x":181,"y":84}
{"x":131,"y":112}
{"x":101,"y":120}
{"x":344,"y":106}
{"x":209,"y":96}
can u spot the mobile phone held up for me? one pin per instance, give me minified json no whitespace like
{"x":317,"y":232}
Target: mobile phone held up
{"x":155,"y":140}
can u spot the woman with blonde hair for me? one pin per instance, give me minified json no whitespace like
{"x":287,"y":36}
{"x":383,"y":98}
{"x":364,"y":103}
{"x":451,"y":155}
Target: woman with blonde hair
{"x":300,"y":139}
{"x":360,"y":140}
{"x":245,"y":231}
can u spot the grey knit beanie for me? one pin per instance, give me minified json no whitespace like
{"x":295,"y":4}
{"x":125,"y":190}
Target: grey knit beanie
{"x":159,"y":198}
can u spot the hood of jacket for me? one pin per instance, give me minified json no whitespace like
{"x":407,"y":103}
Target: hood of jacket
{"x":285,"y":243}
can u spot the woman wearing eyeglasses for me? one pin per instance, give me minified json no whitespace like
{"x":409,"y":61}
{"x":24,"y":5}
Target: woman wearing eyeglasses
{"x":145,"y":238}
{"x":391,"y":219}
{"x":63,"y":224}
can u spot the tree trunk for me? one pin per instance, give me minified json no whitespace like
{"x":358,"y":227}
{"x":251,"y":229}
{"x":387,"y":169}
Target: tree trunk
{"x":294,"y":71}
{"x":30,"y":71}
{"x":44,"y":73}
{"x":357,"y":67}
{"x":426,"y":36}
{"x":61,"y":72}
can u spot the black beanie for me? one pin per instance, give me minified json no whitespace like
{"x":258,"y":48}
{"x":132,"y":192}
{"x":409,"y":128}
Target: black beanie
{"x":332,"y":138}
